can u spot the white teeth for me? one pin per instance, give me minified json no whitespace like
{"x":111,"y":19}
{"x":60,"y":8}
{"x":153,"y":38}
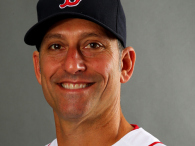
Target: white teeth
{"x":77,"y":86}
{"x":73,"y":86}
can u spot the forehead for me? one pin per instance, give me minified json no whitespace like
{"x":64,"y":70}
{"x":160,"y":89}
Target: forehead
{"x":77,"y":26}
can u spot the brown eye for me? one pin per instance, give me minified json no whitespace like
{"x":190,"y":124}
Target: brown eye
{"x":93,"y":45}
{"x":92,"y":49}
{"x":56,"y":47}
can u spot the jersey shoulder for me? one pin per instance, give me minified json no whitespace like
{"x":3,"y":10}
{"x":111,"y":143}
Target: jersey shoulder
{"x":139,"y":137}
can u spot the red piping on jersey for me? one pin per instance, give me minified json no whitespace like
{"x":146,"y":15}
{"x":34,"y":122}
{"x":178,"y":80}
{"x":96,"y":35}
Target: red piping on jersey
{"x":155,"y":143}
{"x":135,"y":126}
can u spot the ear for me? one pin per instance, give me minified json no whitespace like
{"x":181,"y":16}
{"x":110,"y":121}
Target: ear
{"x":128,"y":58}
{"x":37,"y":66}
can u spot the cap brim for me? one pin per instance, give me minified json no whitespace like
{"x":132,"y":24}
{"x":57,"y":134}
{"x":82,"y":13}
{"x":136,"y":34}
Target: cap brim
{"x":36,"y":33}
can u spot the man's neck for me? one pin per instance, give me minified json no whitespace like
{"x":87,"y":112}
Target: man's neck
{"x":106,"y":131}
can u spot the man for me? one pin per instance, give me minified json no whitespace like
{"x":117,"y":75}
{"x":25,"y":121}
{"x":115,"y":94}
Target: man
{"x":81,"y":61}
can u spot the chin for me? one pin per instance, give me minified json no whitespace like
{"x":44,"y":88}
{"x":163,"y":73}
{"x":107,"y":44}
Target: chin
{"x":72,"y":112}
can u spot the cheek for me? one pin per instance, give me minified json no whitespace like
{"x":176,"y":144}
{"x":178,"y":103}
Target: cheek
{"x":49,"y":65}
{"x":110,"y":86}
{"x":107,"y":66}
{"x":101,"y":66}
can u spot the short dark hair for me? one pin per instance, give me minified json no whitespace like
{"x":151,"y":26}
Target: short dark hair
{"x":120,"y":46}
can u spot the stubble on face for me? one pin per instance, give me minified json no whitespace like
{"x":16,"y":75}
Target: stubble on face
{"x":101,"y":72}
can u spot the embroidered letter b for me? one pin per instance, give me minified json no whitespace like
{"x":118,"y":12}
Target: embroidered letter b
{"x":69,"y":3}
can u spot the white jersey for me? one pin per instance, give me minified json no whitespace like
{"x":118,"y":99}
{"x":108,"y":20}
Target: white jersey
{"x":137,"y":137}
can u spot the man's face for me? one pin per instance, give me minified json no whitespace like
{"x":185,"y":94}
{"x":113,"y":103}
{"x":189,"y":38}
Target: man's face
{"x":78,"y":68}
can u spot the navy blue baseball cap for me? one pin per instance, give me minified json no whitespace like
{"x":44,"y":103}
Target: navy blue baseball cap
{"x":107,"y":13}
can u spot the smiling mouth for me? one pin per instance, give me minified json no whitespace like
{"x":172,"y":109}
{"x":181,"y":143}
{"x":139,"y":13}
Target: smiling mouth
{"x":76,"y":86}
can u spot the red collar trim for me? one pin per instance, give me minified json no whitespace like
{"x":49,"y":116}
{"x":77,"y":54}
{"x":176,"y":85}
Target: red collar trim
{"x":135,"y":126}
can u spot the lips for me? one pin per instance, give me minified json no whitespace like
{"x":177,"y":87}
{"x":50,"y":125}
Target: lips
{"x":75,"y":85}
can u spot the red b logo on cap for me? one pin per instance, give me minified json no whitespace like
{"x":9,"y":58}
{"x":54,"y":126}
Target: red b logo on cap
{"x":69,"y":3}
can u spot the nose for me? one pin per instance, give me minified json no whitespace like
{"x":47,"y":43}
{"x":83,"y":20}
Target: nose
{"x":73,"y":62}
